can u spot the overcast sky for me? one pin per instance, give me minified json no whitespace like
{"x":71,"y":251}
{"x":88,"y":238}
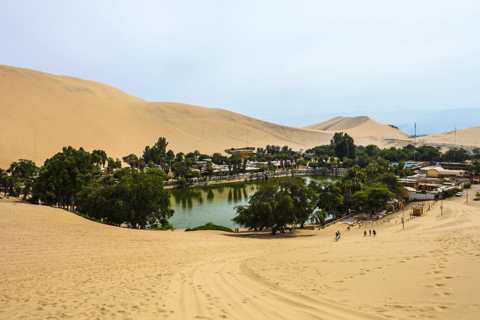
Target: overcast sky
{"x":266,"y":59}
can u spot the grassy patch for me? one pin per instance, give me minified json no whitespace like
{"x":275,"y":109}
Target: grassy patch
{"x":210,"y":226}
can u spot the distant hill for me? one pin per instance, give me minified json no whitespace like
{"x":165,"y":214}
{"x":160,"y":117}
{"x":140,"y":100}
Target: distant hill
{"x":70,"y":111}
{"x":339,"y":123}
{"x":363,"y":129}
{"x":468,"y":137}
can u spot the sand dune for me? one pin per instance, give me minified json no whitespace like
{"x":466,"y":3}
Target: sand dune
{"x":41,"y":113}
{"x":69,"y":111}
{"x":54,"y":264}
{"x":360,"y":128}
{"x":468,"y":137}
{"x":339,"y":123}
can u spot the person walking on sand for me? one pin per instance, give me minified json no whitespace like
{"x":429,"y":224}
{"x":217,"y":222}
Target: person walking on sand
{"x":374,"y":233}
{"x":365,"y":233}
{"x":370,"y":231}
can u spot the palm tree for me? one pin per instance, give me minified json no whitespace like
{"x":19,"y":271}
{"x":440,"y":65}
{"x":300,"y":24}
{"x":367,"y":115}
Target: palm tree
{"x":141,"y":164}
{"x":131,"y":160}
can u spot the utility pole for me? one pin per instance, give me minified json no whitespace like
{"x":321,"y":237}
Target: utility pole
{"x":441,"y":208}
{"x":467,"y":195}
{"x":403,"y":217}
{"x":35,"y":139}
{"x":415,"y":146}
{"x":455,"y":147}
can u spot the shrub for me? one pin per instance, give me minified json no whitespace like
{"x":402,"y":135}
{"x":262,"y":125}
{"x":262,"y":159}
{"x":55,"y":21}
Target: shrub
{"x":210,"y":226}
{"x":182,"y":182}
{"x":91,"y":218}
{"x":164,"y":227}
{"x":450,"y":193}
{"x":467,"y":185}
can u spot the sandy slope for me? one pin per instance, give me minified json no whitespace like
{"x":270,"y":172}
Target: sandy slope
{"x":70,"y":111}
{"x":363,"y":129}
{"x":467,"y":137}
{"x":56,"y":265}
{"x":339,"y":123}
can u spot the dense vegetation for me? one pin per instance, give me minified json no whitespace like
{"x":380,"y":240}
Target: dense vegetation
{"x":276,"y":205}
{"x":137,"y":199}
{"x":210,"y":226}
{"x":289,"y":201}
{"x":72,"y":180}
{"x":96,"y":186}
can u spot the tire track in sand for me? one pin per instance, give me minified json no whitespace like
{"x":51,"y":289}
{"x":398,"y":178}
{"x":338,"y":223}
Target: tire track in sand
{"x":229,"y":290}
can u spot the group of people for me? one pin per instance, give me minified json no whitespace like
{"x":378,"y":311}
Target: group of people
{"x":370,"y":231}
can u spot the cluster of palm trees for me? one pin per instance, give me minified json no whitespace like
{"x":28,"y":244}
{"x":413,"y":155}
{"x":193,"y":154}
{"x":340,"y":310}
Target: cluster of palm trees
{"x":355,"y":177}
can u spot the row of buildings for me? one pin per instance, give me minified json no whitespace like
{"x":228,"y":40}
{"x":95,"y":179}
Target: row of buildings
{"x":431,"y":181}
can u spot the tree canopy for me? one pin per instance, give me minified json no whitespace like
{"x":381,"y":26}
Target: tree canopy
{"x":64,"y":175}
{"x":276,"y":205}
{"x":137,"y":199}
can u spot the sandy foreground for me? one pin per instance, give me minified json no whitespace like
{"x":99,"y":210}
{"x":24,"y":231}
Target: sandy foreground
{"x":56,"y":265}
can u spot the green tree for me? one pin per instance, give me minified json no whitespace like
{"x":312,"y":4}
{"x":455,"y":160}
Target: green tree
{"x":304,"y":198}
{"x":371,"y":150}
{"x":131,"y":160}
{"x":373,"y":197}
{"x":23,"y":171}
{"x":157,"y":154}
{"x":269,"y":207}
{"x":189,"y":175}
{"x":138,"y":198}
{"x":64,"y":175}
{"x":393,"y":185}
{"x":113,"y":164}
{"x":209,"y":169}
{"x":103,"y":156}
{"x":330,"y":198}
{"x":179,"y":157}
{"x":170,"y":155}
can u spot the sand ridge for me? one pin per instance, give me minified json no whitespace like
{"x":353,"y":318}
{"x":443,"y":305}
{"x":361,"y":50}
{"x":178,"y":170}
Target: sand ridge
{"x":42,"y":113}
{"x":467,"y":137}
{"x":339,"y":123}
{"x":363,"y":129}
{"x":54,"y":264}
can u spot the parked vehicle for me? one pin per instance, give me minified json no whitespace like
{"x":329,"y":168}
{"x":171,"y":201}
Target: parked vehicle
{"x":458,"y":194}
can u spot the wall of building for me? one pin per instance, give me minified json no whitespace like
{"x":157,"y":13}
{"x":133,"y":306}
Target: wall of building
{"x":420,"y":196}
{"x":432,"y":173}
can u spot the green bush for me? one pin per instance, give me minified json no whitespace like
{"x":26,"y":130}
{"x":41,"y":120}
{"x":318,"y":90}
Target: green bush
{"x":450,"y":193}
{"x":467,"y":185}
{"x":164,"y":227}
{"x":210,"y":226}
{"x":91,"y":218}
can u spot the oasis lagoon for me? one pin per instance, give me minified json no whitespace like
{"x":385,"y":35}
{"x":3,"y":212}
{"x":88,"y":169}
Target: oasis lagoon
{"x":216,"y":203}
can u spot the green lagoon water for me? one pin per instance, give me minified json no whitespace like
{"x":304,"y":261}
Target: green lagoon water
{"x":197,"y":206}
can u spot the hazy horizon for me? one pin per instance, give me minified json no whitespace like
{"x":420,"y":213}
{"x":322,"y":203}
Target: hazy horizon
{"x":275,"y":61}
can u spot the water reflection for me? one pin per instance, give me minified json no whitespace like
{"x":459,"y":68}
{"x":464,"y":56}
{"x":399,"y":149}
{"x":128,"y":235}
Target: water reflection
{"x":214,"y":203}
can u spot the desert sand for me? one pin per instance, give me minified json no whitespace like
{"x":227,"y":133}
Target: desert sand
{"x":364,"y":130}
{"x":41,"y":113}
{"x":56,"y":265}
{"x":468,"y":137}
